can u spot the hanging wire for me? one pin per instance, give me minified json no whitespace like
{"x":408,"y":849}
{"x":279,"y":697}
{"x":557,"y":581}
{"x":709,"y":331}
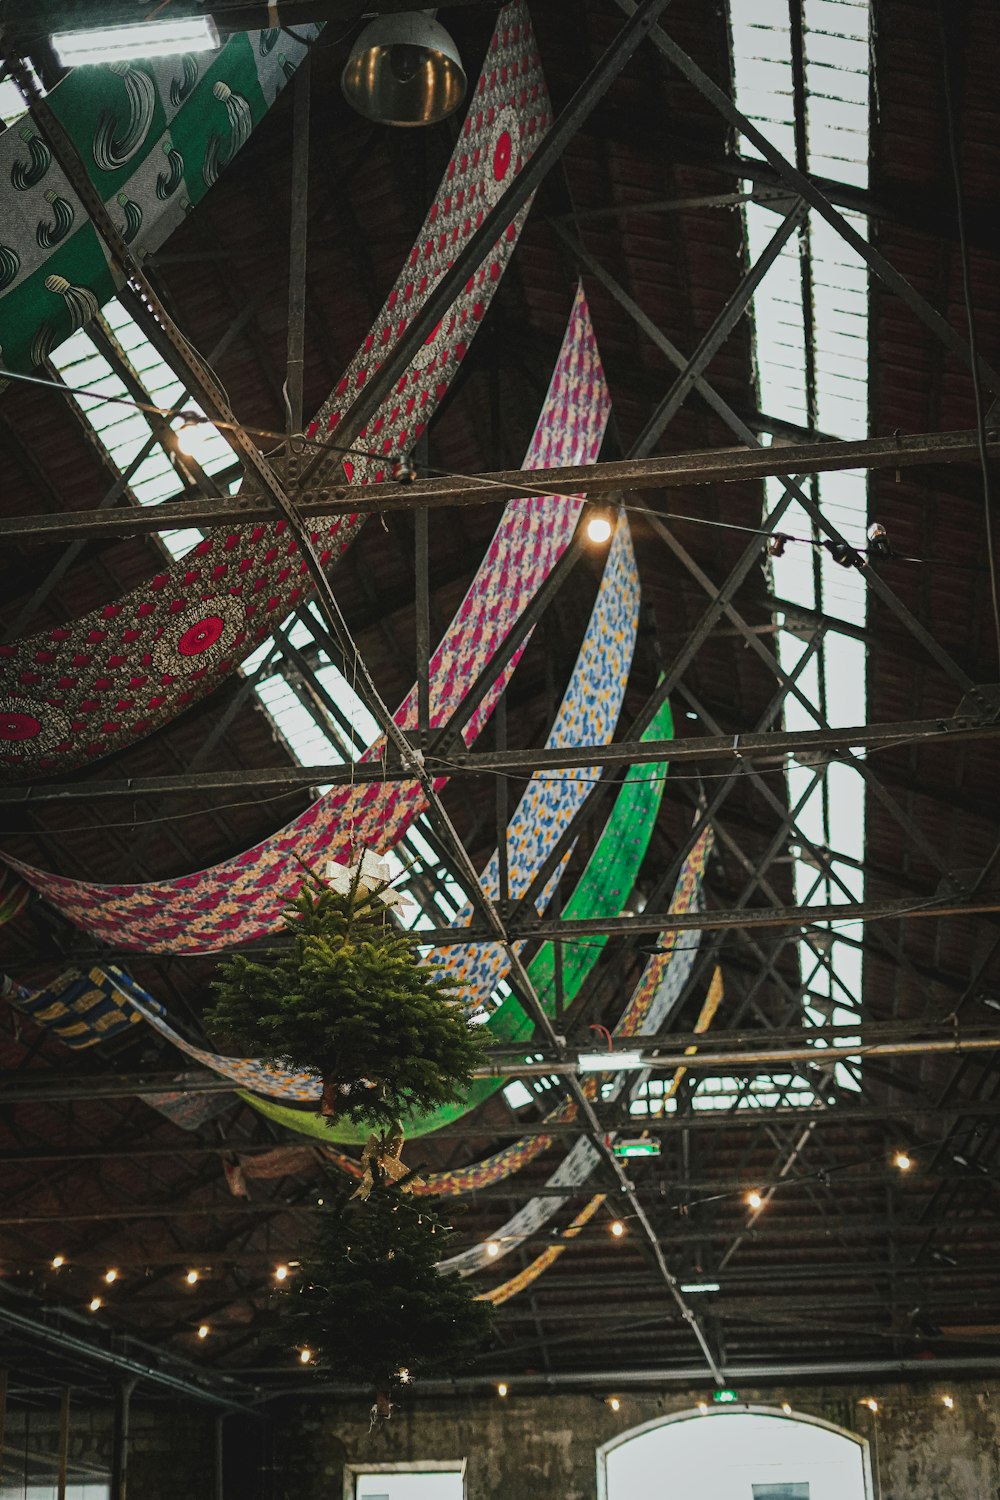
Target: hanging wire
{"x":977,"y":390}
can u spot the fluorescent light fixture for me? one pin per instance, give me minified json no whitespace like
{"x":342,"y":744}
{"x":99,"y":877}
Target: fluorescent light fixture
{"x":700,"y":1286}
{"x":12,"y":105}
{"x":104,"y":44}
{"x":608,"y":1062}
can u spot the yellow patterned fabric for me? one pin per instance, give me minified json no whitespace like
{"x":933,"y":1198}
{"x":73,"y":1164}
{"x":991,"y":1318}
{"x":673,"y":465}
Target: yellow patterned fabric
{"x":548,"y":1257}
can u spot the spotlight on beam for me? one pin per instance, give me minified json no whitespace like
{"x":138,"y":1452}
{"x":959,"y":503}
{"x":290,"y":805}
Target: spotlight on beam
{"x":404,"y":70}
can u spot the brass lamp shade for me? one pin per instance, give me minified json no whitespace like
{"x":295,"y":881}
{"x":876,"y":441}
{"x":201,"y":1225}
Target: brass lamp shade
{"x":404,"y":70}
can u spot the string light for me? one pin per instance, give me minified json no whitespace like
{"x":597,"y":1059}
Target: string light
{"x":617,"y":1229}
{"x":191,"y":1277}
{"x":203,"y":1331}
{"x":598,"y":529}
{"x":492,"y":1249}
{"x":754,"y":1199}
{"x":281,"y":1273}
{"x":502,"y":1388}
{"x":305,"y":1355}
{"x":111,"y":1276}
{"x":57,"y":1261}
{"x":95,"y":1303}
{"x":902,"y":1161}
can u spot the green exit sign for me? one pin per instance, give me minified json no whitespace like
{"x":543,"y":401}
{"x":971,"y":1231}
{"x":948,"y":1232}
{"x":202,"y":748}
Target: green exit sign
{"x":724,"y":1397}
{"x":638,"y":1147}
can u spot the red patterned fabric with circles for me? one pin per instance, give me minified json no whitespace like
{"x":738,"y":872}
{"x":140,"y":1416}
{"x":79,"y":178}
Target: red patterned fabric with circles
{"x":75,"y":693}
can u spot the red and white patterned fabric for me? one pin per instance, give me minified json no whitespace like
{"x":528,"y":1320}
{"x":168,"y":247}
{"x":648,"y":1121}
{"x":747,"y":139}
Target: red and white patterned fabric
{"x":74,"y":693}
{"x":243,"y":899}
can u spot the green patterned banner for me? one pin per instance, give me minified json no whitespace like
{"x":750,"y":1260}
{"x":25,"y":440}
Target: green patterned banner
{"x":602,"y":891}
{"x":154,"y":135}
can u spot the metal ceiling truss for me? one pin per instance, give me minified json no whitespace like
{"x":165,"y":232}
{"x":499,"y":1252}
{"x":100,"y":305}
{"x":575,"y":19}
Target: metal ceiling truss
{"x":297,"y":489}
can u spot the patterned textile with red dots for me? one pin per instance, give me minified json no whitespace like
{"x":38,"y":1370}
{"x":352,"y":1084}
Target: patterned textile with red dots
{"x":243,"y":898}
{"x":75,"y":693}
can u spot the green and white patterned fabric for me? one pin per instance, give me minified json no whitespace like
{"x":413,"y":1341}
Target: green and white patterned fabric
{"x":154,"y":135}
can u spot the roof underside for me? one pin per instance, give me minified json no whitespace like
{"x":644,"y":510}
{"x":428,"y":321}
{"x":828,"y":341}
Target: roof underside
{"x":850,"y":1260}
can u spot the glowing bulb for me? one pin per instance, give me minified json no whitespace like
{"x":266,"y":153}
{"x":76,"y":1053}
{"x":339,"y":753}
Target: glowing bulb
{"x":95,"y":1303}
{"x":111,"y":1276}
{"x":403,"y":1376}
{"x":703,"y":1407}
{"x":903,"y":1161}
{"x":203,"y":1331}
{"x":492,"y":1248}
{"x":280,"y":1273}
{"x":502,"y":1388}
{"x":614,"y":1403}
{"x":57,"y":1261}
{"x":598,"y":529}
{"x":196,"y":438}
{"x":305,"y":1355}
{"x":871,"y":1403}
{"x":948,"y":1401}
{"x":786,"y":1408}
{"x":191,"y":1278}
{"x":617,"y":1229}
{"x":754,"y":1200}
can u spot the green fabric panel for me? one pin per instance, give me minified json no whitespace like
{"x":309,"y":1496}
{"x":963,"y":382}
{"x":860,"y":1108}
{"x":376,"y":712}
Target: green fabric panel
{"x":602,"y":890}
{"x":153,"y":138}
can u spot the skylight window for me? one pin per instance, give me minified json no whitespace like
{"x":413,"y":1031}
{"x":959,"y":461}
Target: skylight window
{"x":821,"y":266}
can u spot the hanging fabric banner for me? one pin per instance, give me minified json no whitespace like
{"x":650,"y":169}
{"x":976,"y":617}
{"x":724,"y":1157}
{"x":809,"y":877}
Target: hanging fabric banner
{"x":243,"y":898}
{"x":658,"y":992}
{"x":75,"y":693}
{"x":154,"y":134}
{"x":81,"y":1009}
{"x":601,"y":891}
{"x":551,"y":1254}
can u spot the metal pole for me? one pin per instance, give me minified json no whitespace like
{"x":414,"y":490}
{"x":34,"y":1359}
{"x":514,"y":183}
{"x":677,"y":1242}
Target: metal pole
{"x":740,"y":749}
{"x":63,"y":1455}
{"x":120,"y":1440}
{"x":298,"y":243}
{"x":664,"y":471}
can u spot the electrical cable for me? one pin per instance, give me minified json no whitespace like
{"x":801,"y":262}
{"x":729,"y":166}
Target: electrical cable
{"x":946,"y":68}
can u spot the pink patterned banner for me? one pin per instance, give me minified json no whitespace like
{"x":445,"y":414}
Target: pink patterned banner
{"x":72,"y":694}
{"x":243,"y":898}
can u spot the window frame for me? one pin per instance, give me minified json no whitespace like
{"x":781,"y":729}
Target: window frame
{"x":416,"y":1466}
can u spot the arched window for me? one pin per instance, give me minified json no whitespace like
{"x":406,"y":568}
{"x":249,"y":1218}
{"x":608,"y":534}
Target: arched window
{"x":754,"y":1453}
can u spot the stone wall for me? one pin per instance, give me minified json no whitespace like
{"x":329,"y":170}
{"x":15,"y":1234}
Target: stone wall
{"x":519,"y":1448}
{"x":533,"y":1448}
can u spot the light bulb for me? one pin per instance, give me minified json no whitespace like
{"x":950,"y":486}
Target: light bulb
{"x":786,"y":1408}
{"x":871,"y":1403}
{"x":948,"y":1401}
{"x":57,"y":1261}
{"x":95,"y":1303}
{"x":902,"y":1161}
{"x":754,"y":1200}
{"x":502,"y":1388}
{"x":203,"y":1331}
{"x":196,"y":439}
{"x":598,"y":529}
{"x":111,"y":1276}
{"x":617,"y":1229}
{"x":305,"y":1355}
{"x":492,"y":1248}
{"x":614,"y":1403}
{"x":280,"y":1273}
{"x":191,"y":1278}
{"x":703,"y":1407}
